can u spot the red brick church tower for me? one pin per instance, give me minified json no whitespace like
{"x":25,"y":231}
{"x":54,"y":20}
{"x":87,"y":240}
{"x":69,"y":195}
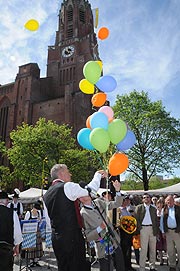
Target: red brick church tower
{"x":57,"y":96}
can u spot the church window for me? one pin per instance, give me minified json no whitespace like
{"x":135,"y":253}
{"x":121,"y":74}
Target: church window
{"x":82,"y":15}
{"x":70,"y":14}
{"x":70,"y":74}
{"x":70,"y":31}
{"x":3,"y":122}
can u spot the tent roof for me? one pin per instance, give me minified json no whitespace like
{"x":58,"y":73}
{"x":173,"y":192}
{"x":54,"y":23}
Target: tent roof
{"x":31,"y":195}
{"x":175,"y":188}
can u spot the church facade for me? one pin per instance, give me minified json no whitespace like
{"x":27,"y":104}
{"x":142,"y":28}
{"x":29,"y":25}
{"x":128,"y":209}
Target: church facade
{"x":57,"y":96}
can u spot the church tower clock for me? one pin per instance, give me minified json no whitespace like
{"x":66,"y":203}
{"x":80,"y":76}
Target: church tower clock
{"x":75,"y":44}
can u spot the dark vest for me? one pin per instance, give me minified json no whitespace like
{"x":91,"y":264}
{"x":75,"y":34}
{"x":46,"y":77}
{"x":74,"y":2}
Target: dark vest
{"x":16,"y":209}
{"x":177,"y":216}
{"x":61,"y":210}
{"x":6,"y":225}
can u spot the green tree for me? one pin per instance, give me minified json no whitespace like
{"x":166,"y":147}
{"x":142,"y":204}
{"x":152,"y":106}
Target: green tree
{"x":4,"y":170}
{"x":157,"y":148}
{"x":35,"y":149}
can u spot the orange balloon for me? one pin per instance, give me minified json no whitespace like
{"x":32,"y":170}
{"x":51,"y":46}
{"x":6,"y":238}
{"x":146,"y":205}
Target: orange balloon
{"x":118,"y":163}
{"x":103,"y":33}
{"x":88,"y":122}
{"x":99,"y":99}
{"x":110,"y":120}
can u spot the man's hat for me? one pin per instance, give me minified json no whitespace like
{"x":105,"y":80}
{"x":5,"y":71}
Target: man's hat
{"x":3,"y":195}
{"x":16,"y":193}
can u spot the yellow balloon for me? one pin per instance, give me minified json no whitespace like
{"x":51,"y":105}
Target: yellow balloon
{"x":100,"y":63}
{"x":86,"y":87}
{"x":32,"y":25}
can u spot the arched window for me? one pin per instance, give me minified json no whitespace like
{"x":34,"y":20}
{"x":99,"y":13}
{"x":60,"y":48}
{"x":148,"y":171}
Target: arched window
{"x":70,"y":14}
{"x":82,"y":14}
{"x":4,"y":110}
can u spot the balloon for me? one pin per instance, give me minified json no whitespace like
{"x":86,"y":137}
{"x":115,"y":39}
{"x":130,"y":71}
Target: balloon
{"x":127,"y":142}
{"x":100,"y":63}
{"x":99,"y":138}
{"x":92,"y":71}
{"x":99,"y":119}
{"x":106,"y":83}
{"x":86,"y":87}
{"x":107,"y":110}
{"x":117,"y":130}
{"x":98,"y":99}
{"x":103,"y":33}
{"x":32,"y":25}
{"x":118,"y":163}
{"x":88,"y":122}
{"x":110,"y":120}
{"x":83,"y":138}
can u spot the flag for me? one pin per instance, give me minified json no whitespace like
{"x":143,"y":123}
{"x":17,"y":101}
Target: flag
{"x":95,"y":16}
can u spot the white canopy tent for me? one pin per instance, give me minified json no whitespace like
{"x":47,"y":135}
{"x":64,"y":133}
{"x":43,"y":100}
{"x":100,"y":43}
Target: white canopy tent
{"x":31,"y":195}
{"x":173,"y":189}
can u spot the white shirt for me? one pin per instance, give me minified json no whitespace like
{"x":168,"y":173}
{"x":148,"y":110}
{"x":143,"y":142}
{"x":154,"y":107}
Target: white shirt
{"x":27,"y":215}
{"x":15,"y":206}
{"x":147,"y":218}
{"x":73,"y":191}
{"x":17,"y":230}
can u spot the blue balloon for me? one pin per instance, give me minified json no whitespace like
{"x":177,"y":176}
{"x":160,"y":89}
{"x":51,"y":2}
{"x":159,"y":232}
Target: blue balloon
{"x":99,"y":120}
{"x":127,"y":142}
{"x":106,"y":83}
{"x":83,"y":138}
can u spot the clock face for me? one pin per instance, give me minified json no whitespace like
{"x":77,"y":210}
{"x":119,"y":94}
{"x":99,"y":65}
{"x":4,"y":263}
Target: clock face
{"x":68,"y":51}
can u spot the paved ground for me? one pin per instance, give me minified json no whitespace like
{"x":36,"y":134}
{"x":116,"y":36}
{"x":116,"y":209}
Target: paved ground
{"x":48,"y":262}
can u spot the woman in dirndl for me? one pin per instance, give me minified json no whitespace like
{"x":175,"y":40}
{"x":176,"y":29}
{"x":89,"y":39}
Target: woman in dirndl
{"x":35,"y":253}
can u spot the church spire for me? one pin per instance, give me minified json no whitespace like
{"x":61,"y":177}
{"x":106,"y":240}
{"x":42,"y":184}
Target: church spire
{"x":75,"y":21}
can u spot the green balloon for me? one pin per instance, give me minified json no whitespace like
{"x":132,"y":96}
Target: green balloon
{"x":117,"y":130}
{"x":92,"y":71}
{"x":99,"y":138}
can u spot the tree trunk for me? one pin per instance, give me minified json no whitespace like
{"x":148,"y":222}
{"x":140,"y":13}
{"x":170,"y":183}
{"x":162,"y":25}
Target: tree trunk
{"x":145,"y":179}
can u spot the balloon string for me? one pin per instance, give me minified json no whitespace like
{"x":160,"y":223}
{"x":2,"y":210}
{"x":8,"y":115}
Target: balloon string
{"x":107,"y":183}
{"x":100,"y":160}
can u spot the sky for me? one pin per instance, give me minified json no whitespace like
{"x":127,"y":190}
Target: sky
{"x":142,"y":51}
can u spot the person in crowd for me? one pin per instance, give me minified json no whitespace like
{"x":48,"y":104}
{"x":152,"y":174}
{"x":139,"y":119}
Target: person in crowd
{"x":175,"y":196}
{"x":10,"y":234}
{"x":107,"y":195}
{"x":98,"y":228}
{"x":177,"y":201}
{"x":162,"y":199}
{"x":154,"y":201}
{"x":16,"y":205}
{"x":126,"y":238}
{"x":147,"y":225}
{"x":63,"y":210}
{"x":161,"y":242}
{"x":170,"y":228}
{"x":35,"y":253}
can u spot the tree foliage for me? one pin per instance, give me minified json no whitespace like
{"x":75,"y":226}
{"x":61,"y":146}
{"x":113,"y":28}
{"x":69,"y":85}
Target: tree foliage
{"x":157,"y":148}
{"x":35,"y":149}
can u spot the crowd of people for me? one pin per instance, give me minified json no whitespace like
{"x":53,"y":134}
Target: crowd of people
{"x":78,"y":216}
